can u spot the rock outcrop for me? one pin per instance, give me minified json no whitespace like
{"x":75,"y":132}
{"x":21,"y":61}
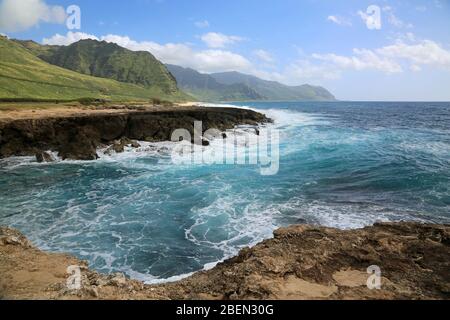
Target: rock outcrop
{"x":300,"y":262}
{"x":118,"y":146}
{"x":44,"y":157}
{"x":77,"y":137}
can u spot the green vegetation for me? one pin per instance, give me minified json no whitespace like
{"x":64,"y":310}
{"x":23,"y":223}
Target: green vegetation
{"x":83,"y":101}
{"x":94,"y":70}
{"x":108,"y":60}
{"x":205,"y":87}
{"x":275,"y":91}
{"x":27,"y":77}
{"x":234,"y":86}
{"x":37,"y":49}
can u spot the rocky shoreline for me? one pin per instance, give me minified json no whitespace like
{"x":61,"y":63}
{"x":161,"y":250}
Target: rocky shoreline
{"x":77,"y":137}
{"x":300,"y":262}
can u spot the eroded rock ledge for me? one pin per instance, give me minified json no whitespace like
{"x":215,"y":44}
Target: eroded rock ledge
{"x":300,"y":262}
{"x":77,"y":137}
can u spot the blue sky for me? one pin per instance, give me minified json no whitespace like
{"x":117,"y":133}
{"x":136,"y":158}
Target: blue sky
{"x":403,"y":55}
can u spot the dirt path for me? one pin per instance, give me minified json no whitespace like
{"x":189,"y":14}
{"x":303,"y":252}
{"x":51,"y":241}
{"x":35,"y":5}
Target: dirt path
{"x":15,"y":111}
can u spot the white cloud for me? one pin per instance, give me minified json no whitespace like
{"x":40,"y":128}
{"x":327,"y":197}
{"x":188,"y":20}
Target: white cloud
{"x":211,"y":60}
{"x":300,"y":72}
{"x":403,"y":55}
{"x":184,"y":55}
{"x":218,"y":60}
{"x":264,"y":56}
{"x":20,"y":15}
{"x":69,"y":38}
{"x":372,"y":20}
{"x":168,"y":53}
{"x":389,"y":59}
{"x":410,"y":36}
{"x":304,"y":70}
{"x":202,"y":24}
{"x":339,"y":20}
{"x":425,"y":52}
{"x":219,"y":40}
{"x":363,"y":59}
{"x":394,"y":20}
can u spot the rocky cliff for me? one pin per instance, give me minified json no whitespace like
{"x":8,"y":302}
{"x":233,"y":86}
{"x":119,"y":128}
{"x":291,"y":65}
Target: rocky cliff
{"x":300,"y":262}
{"x":77,"y":137}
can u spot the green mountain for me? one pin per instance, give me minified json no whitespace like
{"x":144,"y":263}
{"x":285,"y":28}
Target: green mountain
{"x":235,"y":86}
{"x":108,"y":60}
{"x":37,"y":49}
{"x":23,"y":75}
{"x":149,"y":76}
{"x":206,"y":88}
{"x":275,"y":91}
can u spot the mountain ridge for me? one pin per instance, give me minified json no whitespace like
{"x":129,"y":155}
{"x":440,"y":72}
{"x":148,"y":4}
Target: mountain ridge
{"x":274,"y":90}
{"x":25,"y":76}
{"x":110,"y":61}
{"x":107,"y":60}
{"x":204,"y":86}
{"x":236,"y":86}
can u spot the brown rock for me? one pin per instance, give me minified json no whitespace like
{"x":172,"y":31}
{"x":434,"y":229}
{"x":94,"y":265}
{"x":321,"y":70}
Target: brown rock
{"x":93,"y":291}
{"x":13,"y":237}
{"x":135,"y":144}
{"x":118,"y":280}
{"x":78,"y":137}
{"x":44,"y":157}
{"x":301,"y":262}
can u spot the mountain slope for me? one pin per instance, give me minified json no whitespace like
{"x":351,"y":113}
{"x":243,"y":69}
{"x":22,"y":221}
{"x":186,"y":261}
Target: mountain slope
{"x":235,"y":86}
{"x":108,"y":60}
{"x":37,"y":49}
{"x":273,"y":90}
{"x":23,"y":75}
{"x":206,"y":88}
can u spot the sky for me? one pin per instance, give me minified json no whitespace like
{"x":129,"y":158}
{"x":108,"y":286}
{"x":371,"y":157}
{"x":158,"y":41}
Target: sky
{"x":359,"y":50}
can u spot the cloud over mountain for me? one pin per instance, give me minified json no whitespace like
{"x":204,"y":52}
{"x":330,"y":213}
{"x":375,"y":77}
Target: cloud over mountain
{"x":209,"y":60}
{"x":20,"y":15}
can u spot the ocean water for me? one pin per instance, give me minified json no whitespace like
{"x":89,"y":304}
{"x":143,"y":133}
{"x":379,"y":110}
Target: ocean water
{"x":342,"y":164}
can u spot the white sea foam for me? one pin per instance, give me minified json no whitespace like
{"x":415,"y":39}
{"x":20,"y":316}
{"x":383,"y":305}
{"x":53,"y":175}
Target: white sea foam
{"x":146,"y":149}
{"x":282,"y":117}
{"x":244,"y":228}
{"x":435,"y":148}
{"x":341,"y":215}
{"x":282,"y":120}
{"x":247,"y":218}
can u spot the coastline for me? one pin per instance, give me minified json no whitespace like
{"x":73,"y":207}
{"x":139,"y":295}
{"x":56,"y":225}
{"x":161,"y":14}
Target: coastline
{"x":77,"y":133}
{"x":300,"y":262}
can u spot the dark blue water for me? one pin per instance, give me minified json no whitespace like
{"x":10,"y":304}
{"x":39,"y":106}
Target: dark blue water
{"x":342,"y":164}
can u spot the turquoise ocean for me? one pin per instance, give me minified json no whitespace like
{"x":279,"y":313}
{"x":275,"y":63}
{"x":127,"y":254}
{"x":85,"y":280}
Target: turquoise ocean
{"x":342,"y":164}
